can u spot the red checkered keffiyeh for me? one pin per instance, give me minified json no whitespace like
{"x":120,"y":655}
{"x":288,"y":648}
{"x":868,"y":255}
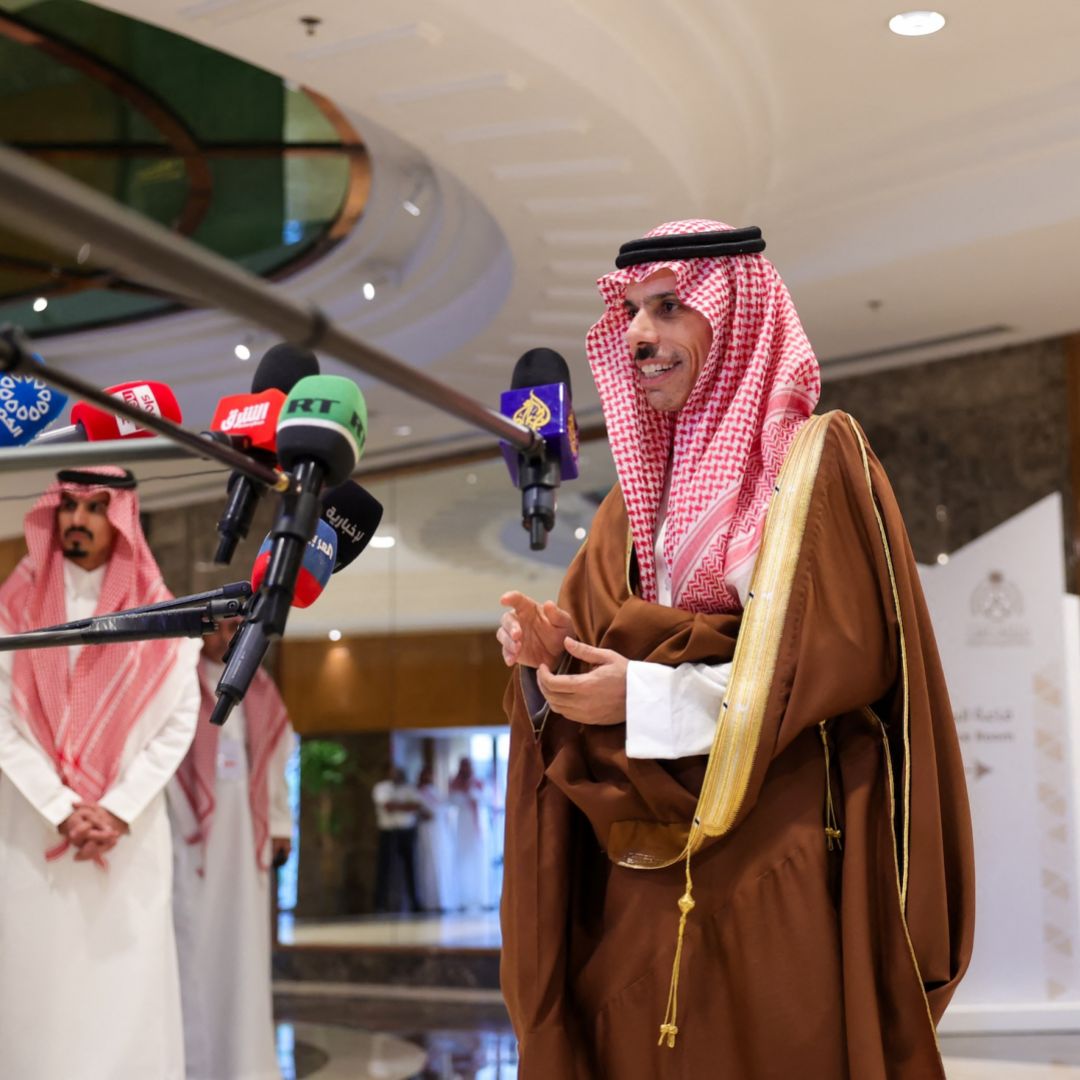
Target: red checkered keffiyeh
{"x":265,"y":724}
{"x":757,"y":386}
{"x":83,"y":717}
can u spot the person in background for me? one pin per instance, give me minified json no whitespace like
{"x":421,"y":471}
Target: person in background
{"x":231,"y":822}
{"x":397,"y":811}
{"x":472,"y":854}
{"x":434,"y":848}
{"x":89,"y":737}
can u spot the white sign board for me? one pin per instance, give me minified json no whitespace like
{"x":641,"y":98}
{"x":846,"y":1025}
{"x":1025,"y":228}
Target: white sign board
{"x":997,"y":609}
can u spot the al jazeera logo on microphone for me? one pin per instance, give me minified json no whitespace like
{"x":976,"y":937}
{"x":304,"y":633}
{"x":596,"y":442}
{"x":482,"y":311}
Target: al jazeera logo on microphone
{"x":535,"y":414}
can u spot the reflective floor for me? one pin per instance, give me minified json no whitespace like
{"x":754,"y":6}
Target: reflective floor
{"x":341,"y":1051}
{"x":477,"y":930}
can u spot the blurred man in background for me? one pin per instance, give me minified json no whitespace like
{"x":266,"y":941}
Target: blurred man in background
{"x":231,"y":823}
{"x":397,"y":812}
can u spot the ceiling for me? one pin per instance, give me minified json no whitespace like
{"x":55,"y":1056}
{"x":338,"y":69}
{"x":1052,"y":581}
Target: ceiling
{"x":910,"y":190}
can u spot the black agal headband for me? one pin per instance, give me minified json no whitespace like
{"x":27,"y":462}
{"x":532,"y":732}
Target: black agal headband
{"x":96,"y":479}
{"x":676,"y":246}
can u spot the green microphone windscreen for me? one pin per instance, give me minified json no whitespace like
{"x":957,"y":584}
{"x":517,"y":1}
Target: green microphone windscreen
{"x":324,"y":418}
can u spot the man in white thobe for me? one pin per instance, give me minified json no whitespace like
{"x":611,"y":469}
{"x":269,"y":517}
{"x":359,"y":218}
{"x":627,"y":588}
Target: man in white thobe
{"x":472,"y":856}
{"x":88,"y":739}
{"x":231,"y":821}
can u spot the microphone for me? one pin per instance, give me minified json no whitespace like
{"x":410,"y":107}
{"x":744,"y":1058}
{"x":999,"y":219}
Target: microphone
{"x":254,"y":417}
{"x":354,"y":515}
{"x":540,"y":399}
{"x":27,"y":406}
{"x":320,"y":558}
{"x":248,"y":421}
{"x":320,"y":437}
{"x":91,"y":424}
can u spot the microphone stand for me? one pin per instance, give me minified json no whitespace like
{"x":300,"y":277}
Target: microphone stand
{"x":294,"y":526}
{"x":236,"y":591}
{"x":193,"y":621}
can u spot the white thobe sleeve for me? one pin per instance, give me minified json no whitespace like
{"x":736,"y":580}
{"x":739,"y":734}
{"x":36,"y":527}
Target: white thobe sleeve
{"x":671,"y":712}
{"x":25,"y":764}
{"x":281,"y":822}
{"x":153,"y":766}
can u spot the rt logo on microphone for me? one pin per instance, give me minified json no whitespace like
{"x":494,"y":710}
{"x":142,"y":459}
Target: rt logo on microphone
{"x":324,"y":407}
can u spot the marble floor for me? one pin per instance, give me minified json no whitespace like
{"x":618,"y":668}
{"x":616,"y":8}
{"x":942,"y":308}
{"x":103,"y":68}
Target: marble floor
{"x":397,"y":1038}
{"x":475,"y":930}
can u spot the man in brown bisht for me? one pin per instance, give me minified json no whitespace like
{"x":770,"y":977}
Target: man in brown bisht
{"x":738,"y":841}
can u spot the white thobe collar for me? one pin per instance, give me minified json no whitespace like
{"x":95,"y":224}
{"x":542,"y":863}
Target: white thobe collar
{"x":82,"y":585}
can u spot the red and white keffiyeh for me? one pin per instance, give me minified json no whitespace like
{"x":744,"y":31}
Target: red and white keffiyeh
{"x":265,"y":724}
{"x":82,"y":718}
{"x":758,"y":385}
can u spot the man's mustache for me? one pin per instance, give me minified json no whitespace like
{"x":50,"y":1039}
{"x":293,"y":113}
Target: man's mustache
{"x":78,"y":529}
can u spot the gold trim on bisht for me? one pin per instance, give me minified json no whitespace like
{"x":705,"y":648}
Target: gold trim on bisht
{"x":906,"y":719}
{"x":738,"y":729}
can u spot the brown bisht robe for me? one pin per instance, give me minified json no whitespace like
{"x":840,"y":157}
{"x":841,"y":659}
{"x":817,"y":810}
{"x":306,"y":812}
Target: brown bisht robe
{"x":798,"y":960}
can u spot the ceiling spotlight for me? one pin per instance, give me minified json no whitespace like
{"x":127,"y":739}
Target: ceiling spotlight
{"x":402,"y":431}
{"x":368,"y":291}
{"x":472,"y":478}
{"x":916,"y":23}
{"x":942,"y":559}
{"x":334,"y":635}
{"x":242,"y":352}
{"x":383,"y":541}
{"x":411,"y":208}
{"x":580,"y":532}
{"x":40,"y":304}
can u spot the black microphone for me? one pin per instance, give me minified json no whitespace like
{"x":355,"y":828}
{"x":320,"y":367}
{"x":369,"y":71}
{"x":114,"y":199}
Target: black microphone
{"x":539,"y":397}
{"x":321,"y":435}
{"x":354,"y":514}
{"x":281,"y":368}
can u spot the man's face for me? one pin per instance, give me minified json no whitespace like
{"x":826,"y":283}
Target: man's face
{"x":668,"y":341}
{"x":85,"y":531}
{"x":215,"y":645}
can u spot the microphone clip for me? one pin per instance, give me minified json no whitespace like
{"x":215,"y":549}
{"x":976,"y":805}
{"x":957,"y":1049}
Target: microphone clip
{"x":538,"y":479}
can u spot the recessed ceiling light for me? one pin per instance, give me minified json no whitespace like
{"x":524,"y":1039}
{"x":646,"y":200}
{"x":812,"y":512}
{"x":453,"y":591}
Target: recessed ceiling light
{"x":402,"y":430}
{"x":471,"y":478}
{"x":334,"y":635}
{"x":242,"y":352}
{"x":40,"y":304}
{"x":942,"y":559}
{"x":411,"y":208}
{"x":369,"y":291}
{"x":580,"y":533}
{"x":383,"y":541}
{"x":916,"y":23}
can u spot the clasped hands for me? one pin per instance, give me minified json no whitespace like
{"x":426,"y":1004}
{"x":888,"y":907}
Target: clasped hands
{"x":92,"y":831}
{"x":536,"y":635}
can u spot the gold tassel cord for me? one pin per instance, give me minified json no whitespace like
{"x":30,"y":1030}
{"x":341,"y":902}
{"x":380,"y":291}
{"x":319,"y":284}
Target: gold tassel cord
{"x":669,"y":1029}
{"x":832,"y":826}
